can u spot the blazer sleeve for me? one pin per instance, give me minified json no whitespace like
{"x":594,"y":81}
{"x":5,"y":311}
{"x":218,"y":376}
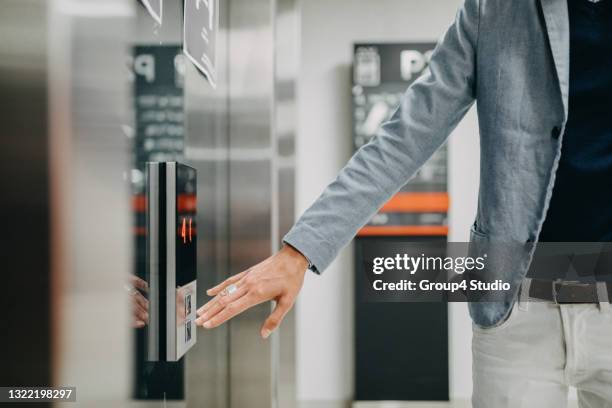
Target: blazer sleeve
{"x":428,"y":112}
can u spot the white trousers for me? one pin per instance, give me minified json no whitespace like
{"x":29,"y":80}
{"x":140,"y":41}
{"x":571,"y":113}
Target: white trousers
{"x":531,"y":359}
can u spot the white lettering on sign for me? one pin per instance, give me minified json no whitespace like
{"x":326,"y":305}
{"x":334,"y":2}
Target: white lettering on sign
{"x":144,"y":65}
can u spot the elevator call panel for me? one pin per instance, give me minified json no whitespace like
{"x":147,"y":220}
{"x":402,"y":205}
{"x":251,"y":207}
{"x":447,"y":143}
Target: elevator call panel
{"x":171,"y":259}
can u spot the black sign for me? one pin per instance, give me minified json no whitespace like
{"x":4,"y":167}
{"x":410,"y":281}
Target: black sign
{"x":381,"y":74}
{"x":200,"y":35}
{"x":377,"y":64}
{"x":158,"y":99}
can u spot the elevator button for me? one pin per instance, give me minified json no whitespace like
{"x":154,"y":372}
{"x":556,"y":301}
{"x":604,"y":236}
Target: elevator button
{"x":187,"y":331}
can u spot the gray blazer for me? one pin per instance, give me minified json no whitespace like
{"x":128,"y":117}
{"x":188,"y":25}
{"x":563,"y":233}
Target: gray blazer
{"x":512,"y":58}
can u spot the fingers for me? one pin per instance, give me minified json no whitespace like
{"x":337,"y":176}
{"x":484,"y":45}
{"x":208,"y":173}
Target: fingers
{"x":218,"y":303}
{"x":228,"y":312}
{"x":141,"y":314}
{"x":276,"y":317}
{"x":141,"y":301}
{"x":233,"y":279}
{"x":280,"y":277}
{"x":218,"y":314}
{"x":138,"y":283}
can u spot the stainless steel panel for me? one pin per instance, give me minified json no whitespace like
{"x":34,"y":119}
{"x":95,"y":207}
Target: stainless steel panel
{"x":207,"y":142}
{"x":153,"y":327}
{"x":91,"y":215}
{"x":206,"y":149}
{"x":263,"y":67}
{"x":286,"y":68}
{"x":251,"y":67}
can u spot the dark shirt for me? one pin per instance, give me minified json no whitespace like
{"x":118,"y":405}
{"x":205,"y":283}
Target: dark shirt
{"x":581,"y":205}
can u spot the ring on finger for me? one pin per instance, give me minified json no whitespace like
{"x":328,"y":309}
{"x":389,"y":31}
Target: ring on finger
{"x":130,"y":289}
{"x":229,"y":290}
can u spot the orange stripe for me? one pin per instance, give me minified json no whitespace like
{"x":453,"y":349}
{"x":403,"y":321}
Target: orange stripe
{"x":141,"y":231}
{"x":407,"y":230}
{"x":417,"y":202}
{"x":186,"y":203}
{"x":139,"y":203}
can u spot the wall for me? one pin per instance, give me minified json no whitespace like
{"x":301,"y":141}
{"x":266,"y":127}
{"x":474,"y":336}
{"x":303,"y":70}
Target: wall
{"x":324,"y":311}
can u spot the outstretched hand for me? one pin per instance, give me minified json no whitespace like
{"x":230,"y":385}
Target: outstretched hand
{"x":279,"y":278}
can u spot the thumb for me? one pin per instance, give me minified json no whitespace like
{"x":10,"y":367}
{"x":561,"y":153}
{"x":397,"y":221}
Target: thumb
{"x":276,"y":317}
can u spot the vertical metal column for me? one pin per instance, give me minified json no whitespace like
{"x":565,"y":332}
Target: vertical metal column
{"x":207,"y":149}
{"x":251,"y":67}
{"x":286,"y":68}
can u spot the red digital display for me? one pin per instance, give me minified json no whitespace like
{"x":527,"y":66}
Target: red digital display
{"x":186,"y":224}
{"x":186,"y":230}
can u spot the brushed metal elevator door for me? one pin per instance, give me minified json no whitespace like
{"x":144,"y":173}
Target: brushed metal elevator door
{"x":250,"y":188}
{"x":263,"y":66}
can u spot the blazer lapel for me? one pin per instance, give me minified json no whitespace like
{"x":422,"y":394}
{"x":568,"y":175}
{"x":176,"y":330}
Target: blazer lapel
{"x":557,"y":25}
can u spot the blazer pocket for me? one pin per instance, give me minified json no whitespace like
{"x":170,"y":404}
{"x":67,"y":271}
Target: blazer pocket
{"x":503,"y":323}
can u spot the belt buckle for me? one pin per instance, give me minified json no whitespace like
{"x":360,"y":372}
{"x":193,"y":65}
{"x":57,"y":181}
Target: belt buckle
{"x":556,"y":284}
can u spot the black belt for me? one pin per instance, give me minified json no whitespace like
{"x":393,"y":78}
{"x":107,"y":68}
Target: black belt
{"x":562,"y":292}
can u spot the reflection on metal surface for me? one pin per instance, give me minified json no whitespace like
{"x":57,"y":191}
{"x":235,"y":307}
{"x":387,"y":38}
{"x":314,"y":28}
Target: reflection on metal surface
{"x":157,"y":71}
{"x":250,"y":185}
{"x":200,"y":29}
{"x":88,"y":92}
{"x":206,"y":111}
{"x":171,"y":259}
{"x":94,"y":9}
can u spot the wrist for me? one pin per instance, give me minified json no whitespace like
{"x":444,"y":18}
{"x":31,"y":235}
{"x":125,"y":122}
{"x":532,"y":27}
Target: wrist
{"x":296,"y":257}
